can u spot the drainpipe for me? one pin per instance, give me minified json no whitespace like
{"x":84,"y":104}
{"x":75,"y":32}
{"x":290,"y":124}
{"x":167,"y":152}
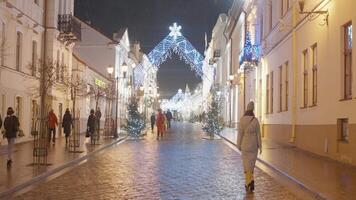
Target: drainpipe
{"x":295,"y":73}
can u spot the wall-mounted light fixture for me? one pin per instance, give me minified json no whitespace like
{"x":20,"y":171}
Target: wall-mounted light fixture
{"x":325,"y":13}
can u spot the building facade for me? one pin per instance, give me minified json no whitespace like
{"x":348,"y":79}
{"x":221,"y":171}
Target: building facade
{"x":300,"y":73}
{"x":35,"y":35}
{"x":101,"y":52}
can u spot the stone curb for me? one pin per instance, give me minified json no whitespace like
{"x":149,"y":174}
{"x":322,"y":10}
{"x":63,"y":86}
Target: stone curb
{"x":315,"y":194}
{"x":44,"y":175}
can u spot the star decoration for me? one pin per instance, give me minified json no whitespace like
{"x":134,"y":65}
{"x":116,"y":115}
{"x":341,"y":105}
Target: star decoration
{"x":175,"y":31}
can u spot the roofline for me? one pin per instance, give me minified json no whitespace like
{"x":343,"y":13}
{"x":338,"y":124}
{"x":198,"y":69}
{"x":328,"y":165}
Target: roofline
{"x":91,"y":68}
{"x":96,"y":29}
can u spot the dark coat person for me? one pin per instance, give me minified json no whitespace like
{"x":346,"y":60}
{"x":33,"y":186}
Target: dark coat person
{"x":11,"y":125}
{"x":67,"y":124}
{"x":153,"y":121}
{"x":169,"y":117}
{"x":91,"y":124}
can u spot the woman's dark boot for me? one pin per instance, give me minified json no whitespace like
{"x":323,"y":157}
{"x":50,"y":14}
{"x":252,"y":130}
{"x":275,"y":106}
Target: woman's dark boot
{"x":252,"y":185}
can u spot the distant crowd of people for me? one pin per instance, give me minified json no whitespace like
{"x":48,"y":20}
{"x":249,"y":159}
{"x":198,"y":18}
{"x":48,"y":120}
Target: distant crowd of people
{"x":162,"y":121}
{"x":12,"y":127}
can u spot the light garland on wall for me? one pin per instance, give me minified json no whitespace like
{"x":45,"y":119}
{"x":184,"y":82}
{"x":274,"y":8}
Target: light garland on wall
{"x":250,"y":54}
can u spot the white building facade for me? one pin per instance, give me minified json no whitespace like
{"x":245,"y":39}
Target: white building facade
{"x":34,"y":33}
{"x":101,"y":52}
{"x":302,"y":81}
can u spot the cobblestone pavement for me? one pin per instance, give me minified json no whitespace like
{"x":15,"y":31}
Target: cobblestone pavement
{"x":58,"y":155}
{"x":181,"y":166}
{"x":329,"y":178}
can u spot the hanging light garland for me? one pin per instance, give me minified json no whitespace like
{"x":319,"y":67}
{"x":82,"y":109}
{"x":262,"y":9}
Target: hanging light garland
{"x":250,"y":54}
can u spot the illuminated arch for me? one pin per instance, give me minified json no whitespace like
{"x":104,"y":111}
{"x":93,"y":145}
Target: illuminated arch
{"x":175,"y":42}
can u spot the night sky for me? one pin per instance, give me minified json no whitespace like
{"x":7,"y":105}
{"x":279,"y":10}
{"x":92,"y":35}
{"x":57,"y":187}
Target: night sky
{"x":148,"y":22}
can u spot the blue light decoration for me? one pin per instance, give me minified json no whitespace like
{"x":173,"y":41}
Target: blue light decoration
{"x":250,"y":54}
{"x":175,"y":42}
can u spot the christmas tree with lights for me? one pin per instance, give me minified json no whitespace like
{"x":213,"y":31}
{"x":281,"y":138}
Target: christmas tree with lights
{"x":135,"y":122}
{"x":212,"y":124}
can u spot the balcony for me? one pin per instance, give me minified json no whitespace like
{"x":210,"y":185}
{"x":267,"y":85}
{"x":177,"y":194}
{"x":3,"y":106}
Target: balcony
{"x":69,"y":28}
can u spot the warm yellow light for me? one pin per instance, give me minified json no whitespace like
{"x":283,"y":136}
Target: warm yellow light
{"x":110,"y":70}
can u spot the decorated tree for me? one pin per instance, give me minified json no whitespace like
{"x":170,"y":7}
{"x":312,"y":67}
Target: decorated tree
{"x":212,"y":124}
{"x":135,"y":122}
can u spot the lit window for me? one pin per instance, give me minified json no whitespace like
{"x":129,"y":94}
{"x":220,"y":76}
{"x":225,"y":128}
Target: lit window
{"x":347,"y":68}
{"x":343,"y":129}
{"x":267,"y":94}
{"x":315,"y":73}
{"x":305,"y":78}
{"x":286,"y":86}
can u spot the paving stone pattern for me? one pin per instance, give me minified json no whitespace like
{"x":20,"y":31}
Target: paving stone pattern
{"x":181,"y":166}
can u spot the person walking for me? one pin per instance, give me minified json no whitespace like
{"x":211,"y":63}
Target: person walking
{"x":160,"y":123}
{"x":248,"y":142}
{"x":91,"y":125}
{"x":153,"y":121}
{"x":52,"y":123}
{"x":11,"y":125}
{"x":67,"y":124}
{"x":169,"y":118}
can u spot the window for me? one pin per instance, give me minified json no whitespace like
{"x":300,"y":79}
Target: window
{"x":34,"y":58}
{"x":267,"y":94}
{"x":305,"y":78}
{"x":62,"y":68}
{"x":280,"y":89}
{"x":314,"y":49}
{"x":58,"y":66}
{"x":348,"y":61}
{"x":18,"y":50}
{"x":2,"y":44}
{"x":36,"y":2}
{"x":286,"y":86}
{"x":272,"y":89}
{"x":343,"y":129}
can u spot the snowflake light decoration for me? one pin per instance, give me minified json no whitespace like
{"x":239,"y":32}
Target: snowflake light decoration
{"x":175,"y":31}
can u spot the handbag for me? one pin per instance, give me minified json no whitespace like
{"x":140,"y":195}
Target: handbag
{"x":20,"y":133}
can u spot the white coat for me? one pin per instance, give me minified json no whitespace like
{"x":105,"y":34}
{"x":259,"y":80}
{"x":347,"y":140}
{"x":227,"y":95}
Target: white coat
{"x":249,"y":141}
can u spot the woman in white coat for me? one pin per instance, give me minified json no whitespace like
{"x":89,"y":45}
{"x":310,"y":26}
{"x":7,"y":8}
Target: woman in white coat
{"x":248,"y":142}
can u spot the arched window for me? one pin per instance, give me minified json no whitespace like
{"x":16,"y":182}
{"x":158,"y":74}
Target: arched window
{"x":18,"y":50}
